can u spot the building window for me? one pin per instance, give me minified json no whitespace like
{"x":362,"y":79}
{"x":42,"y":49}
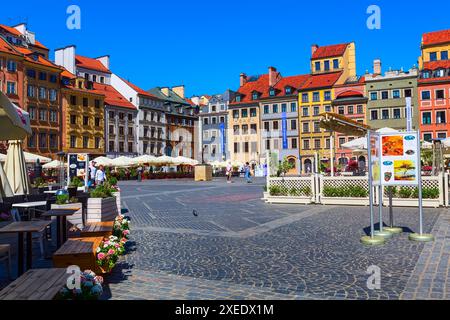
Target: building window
{"x":253,"y":129}
{"x":97,"y":103}
{"x":53,"y":116}
{"x":305,"y":127}
{"x":122,"y":131}
{"x":11,"y":66}
{"x":294,"y":143}
{"x":316,"y":111}
{"x":317,"y":144}
{"x":305,"y":112}
{"x":73,"y":100}
{"x":52,"y":93}
{"x":317,"y":66}
{"x":246,"y":149}
{"x":236,"y":147}
{"x":444,"y":55}
{"x":268,"y":144}
{"x":222,"y":119}
{"x":43,"y":76}
{"x":31,"y":73}
{"x":252,"y":114}
{"x":426,"y":95}
{"x":255,"y":96}
{"x":374,"y":114}
{"x":341,"y":110}
{"x":384,"y":95}
{"x":85,"y":121}
{"x":85,"y":142}
{"x":440,"y":94}
{"x":266,"y":109}
{"x":42,"y":140}
{"x":316,"y":96}
{"x":428,"y":137}
{"x":426,"y":74}
{"x":238,"y":98}
{"x":205,"y":121}
{"x":327,"y":144}
{"x":53,"y":78}
{"x":288,"y":90}
{"x":245,"y":129}
{"x":271,"y":92}
{"x":235,"y":114}
{"x":31,"y":91}
{"x":236,"y":130}
{"x":32,"y":140}
{"x":385,"y":114}
{"x":316,"y":126}
{"x":283,"y":107}
{"x":73,"y":119}
{"x":53,"y":141}
{"x":293,"y":124}
{"x":440,"y":116}
{"x":327,"y":95}
{"x":305,"y":97}
{"x":326,"y":65}
{"x":306,"y":144}
{"x":293,"y":107}
{"x":275,"y":125}
{"x":350,"y":109}
{"x":10,"y":87}
{"x":433,"y":56}
{"x":426,"y":117}
{"x":97,"y":122}
{"x":267,"y":126}
{"x":32,"y":112}
{"x":42,"y":115}
{"x":441,"y":135}
{"x":396,"y":94}
{"x":275,"y":108}
{"x":397,"y":113}
{"x":374,"y":95}
{"x":359,"y":109}
{"x":85,"y":102}
{"x":336,"y":64}
{"x":244,"y":113}
{"x":97,"y":143}
{"x":341,"y":141}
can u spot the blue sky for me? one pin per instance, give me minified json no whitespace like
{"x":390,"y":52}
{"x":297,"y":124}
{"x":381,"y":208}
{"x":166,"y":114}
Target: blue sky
{"x":205,"y":45}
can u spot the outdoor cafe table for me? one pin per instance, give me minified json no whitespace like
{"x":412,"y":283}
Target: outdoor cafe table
{"x":28,"y":205}
{"x":27,"y":227}
{"x":36,"y":284}
{"x":61,"y":222}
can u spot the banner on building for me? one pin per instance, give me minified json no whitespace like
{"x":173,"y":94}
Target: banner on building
{"x":284,"y":130}
{"x":408,"y":114}
{"x":222,"y":139}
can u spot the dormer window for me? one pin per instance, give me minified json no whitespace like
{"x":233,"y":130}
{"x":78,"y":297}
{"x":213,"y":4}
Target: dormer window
{"x":255,"y":96}
{"x":238,"y":98}
{"x":271,"y":92}
{"x":288,"y":90}
{"x":426,"y":74}
{"x":439,"y":73}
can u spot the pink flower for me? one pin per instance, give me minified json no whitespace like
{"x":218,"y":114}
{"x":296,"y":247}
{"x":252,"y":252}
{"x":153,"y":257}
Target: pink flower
{"x":101,"y":256}
{"x":123,"y":240}
{"x":111,"y":251}
{"x":126,"y":232}
{"x":117,"y":245}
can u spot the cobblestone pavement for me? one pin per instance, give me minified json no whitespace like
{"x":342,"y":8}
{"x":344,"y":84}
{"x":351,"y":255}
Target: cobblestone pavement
{"x":239,"y":247}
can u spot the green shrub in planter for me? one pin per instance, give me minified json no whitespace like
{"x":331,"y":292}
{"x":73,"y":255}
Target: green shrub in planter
{"x":62,"y":199}
{"x":296,"y":192}
{"x":275,"y":190}
{"x":284,"y":191}
{"x":101,"y":192}
{"x":345,"y":192}
{"x":404,"y":192}
{"x":430,"y":193}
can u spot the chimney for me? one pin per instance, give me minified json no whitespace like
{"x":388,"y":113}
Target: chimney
{"x":104,"y":60}
{"x":179,"y":90}
{"x":65,"y":57}
{"x":314,"y":48}
{"x":273,"y":76}
{"x":377,"y":66}
{"x":165,"y":91}
{"x":243,"y":79}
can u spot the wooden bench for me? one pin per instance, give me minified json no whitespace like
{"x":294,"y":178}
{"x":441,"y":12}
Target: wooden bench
{"x":79,"y":252}
{"x":36,"y":284}
{"x":98,"y":229}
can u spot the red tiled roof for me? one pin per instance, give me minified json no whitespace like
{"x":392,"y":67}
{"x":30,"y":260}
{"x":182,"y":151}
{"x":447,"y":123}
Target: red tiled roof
{"x":91,"y":64}
{"x":330,"y":51}
{"x":40,"y":60}
{"x":113,"y":97}
{"x":436,"y":37}
{"x":68,"y":74}
{"x":40,"y":45}
{"x":139,"y":90}
{"x":293,"y":81}
{"x":321,"y":80}
{"x":5,"y":46}
{"x":433,"y":65}
{"x":11,"y":30}
{"x":260,"y":85}
{"x":350,"y":93}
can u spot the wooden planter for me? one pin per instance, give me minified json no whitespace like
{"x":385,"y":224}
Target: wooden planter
{"x":411,"y":202}
{"x":289,"y":199}
{"x":77,"y":218}
{"x":101,"y":210}
{"x":118,"y":201}
{"x":81,"y":252}
{"x":344,"y":201}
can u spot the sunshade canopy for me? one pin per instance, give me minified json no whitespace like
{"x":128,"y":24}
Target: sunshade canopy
{"x":14,"y":122}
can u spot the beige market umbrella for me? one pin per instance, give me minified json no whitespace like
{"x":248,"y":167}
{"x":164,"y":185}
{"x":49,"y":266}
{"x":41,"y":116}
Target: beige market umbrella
{"x":16,"y":170}
{"x":5,"y":188}
{"x":14,"y":122}
{"x":55,"y":164}
{"x":185,"y":161}
{"x":122,"y":162}
{"x":165,"y":160}
{"x":103,"y":161}
{"x":145,"y":159}
{"x":33,"y":158}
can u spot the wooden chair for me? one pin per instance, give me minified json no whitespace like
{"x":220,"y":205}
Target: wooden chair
{"x":40,"y":236}
{"x":5,"y":255}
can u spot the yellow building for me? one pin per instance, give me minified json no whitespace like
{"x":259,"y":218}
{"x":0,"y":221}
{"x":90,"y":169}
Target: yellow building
{"x":435,"y":46}
{"x":330,"y":65}
{"x":82,"y":116}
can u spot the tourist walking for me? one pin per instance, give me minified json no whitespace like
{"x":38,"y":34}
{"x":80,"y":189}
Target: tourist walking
{"x":229,"y":172}
{"x":100,"y":176}
{"x":247,"y":172}
{"x":92,"y":172}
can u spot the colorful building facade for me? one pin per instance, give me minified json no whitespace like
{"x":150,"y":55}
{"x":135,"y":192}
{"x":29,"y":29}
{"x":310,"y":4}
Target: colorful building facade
{"x":434,"y":85}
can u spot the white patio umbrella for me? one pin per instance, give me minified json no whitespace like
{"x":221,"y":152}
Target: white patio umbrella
{"x":165,"y":160}
{"x":145,"y":159}
{"x":2,"y":157}
{"x":55,"y":164}
{"x":361,"y":143}
{"x":16,"y":169}
{"x":5,"y":188}
{"x":32,"y":158}
{"x":14,"y":122}
{"x":446,"y":143}
{"x":427,"y":145}
{"x":122,"y":162}
{"x":185,"y":161}
{"x":103,"y":161}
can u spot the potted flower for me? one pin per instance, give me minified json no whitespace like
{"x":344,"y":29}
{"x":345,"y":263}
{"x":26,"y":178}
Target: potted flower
{"x":64,"y":201}
{"x":101,"y":205}
{"x":91,"y":288}
{"x":108,"y":253}
{"x":121,"y":227}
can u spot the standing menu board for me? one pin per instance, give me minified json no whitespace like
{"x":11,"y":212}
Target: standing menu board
{"x":398,"y":161}
{"x":78,"y":166}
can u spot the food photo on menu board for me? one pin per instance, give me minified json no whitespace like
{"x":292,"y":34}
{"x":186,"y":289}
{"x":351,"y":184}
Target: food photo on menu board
{"x":399,"y":159}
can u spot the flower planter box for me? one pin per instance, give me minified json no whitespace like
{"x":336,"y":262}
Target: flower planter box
{"x":411,"y":202}
{"x":289,"y":199}
{"x":100,"y":210}
{"x":77,"y":218}
{"x":118,"y":201}
{"x":344,"y":201}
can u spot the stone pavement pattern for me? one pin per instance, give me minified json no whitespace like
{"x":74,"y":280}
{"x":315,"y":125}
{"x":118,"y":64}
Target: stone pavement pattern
{"x":242,"y":248}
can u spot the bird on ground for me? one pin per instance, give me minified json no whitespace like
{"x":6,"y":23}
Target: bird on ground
{"x":194,"y":212}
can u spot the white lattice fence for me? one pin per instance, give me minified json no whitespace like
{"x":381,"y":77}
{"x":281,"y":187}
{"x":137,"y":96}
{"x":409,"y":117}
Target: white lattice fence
{"x":342,"y":182}
{"x":298,"y":183}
